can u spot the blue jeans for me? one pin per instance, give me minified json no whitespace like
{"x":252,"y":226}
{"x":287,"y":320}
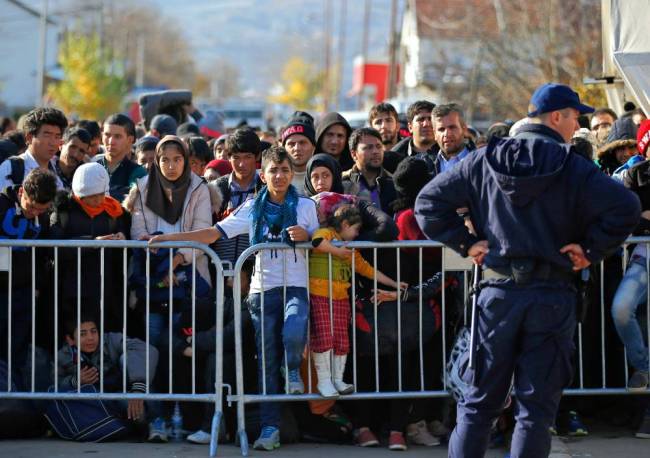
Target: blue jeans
{"x":525,"y":332}
{"x":285,"y":329}
{"x":158,"y":327}
{"x":630,"y":293}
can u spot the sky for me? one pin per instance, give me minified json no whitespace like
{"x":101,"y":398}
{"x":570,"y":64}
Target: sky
{"x":259,"y":36}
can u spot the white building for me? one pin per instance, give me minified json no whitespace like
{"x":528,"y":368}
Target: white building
{"x":19,"y":53}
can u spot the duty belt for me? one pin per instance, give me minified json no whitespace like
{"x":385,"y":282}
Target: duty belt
{"x":524,"y":271}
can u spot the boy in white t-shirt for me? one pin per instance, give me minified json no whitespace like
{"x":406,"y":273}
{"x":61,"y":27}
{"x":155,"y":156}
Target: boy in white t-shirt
{"x":276,"y":214}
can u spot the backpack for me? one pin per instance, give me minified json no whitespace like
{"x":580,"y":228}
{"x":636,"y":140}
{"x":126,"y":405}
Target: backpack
{"x":17,"y":169}
{"x":83,"y":420}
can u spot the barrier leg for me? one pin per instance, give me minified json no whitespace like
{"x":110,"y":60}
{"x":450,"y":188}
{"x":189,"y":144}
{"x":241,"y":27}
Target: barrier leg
{"x":214,"y":432}
{"x":241,"y":428}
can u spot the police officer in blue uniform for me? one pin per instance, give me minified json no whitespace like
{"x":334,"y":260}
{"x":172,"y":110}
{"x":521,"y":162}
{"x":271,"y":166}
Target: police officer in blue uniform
{"x":541,"y":212}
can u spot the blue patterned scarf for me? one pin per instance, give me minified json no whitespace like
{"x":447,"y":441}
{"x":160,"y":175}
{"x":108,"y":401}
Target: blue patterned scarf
{"x":276,"y":217}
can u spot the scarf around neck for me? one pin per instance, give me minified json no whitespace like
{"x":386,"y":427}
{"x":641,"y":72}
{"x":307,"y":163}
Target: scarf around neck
{"x":111,"y":206}
{"x":274,"y":216}
{"x":166,"y":198}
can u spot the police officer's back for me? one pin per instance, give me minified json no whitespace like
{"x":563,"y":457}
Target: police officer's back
{"x":540,"y":212}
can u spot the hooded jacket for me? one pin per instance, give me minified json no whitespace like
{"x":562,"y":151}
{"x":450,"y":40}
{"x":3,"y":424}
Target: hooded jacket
{"x":528,"y":196}
{"x":328,"y":121}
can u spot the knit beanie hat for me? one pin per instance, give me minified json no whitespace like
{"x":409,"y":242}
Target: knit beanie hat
{"x":299,"y":126}
{"x":643,"y":137}
{"x":222,"y":166}
{"x":90,"y":179}
{"x":410,"y":177}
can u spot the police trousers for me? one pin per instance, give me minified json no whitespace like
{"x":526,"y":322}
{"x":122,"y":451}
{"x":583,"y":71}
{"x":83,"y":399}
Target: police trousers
{"x":524,"y":347}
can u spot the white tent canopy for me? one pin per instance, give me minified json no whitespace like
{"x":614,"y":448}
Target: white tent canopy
{"x":626,"y":50}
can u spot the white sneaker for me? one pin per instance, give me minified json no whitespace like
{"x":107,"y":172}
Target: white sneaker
{"x":199,"y":437}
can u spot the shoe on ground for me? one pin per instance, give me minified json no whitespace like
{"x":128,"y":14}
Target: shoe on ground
{"x":269,"y":439}
{"x":295,"y":385}
{"x":418,"y":434}
{"x":199,"y":437}
{"x":553,"y":429}
{"x":366,"y":438}
{"x":397,"y":442}
{"x":644,"y":430}
{"x":576,"y":427}
{"x":438,"y":428}
{"x":638,"y":381}
{"x":158,"y":431}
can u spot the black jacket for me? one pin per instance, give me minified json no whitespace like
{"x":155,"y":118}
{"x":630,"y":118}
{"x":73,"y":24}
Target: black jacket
{"x":70,"y":222}
{"x":400,"y":151}
{"x":637,"y":180}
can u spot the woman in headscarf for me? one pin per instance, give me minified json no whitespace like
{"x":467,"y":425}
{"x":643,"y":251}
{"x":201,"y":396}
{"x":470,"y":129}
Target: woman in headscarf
{"x":323,"y":175}
{"x":170,"y":199}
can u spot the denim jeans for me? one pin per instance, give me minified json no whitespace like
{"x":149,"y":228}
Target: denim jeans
{"x":159,"y":328}
{"x":630,"y":293}
{"x":285,"y":329}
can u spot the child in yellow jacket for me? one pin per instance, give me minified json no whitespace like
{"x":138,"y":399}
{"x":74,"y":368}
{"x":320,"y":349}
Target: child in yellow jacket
{"x":329,"y":329}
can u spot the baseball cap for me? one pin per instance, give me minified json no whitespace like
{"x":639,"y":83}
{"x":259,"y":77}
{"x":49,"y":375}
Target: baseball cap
{"x":164,"y":124}
{"x":551,"y":97}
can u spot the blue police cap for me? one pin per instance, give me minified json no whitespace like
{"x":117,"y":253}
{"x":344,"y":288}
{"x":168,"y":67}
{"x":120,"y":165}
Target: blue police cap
{"x":551,"y":97}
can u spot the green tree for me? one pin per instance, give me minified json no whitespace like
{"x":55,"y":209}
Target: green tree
{"x":91,"y":89}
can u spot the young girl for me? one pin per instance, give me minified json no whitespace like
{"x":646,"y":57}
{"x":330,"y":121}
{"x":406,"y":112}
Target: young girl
{"x":325,"y":337}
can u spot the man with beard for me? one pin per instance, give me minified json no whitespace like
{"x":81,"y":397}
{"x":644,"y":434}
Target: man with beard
{"x":367,"y":179}
{"x":449,"y":128}
{"x":422,"y":143}
{"x":385,"y":119}
{"x":332,"y":134}
{"x":298,"y":138}
{"x":76,"y":142}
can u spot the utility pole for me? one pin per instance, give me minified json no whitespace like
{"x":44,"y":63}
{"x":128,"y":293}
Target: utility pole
{"x":341,"y":52}
{"x":139,"y":69}
{"x":328,"y":57}
{"x":392,"y":45}
{"x":364,"y":48}
{"x":40,"y":70}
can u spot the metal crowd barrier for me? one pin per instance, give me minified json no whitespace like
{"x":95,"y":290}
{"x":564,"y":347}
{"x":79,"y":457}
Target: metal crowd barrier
{"x":451,"y":262}
{"x":6,"y":246}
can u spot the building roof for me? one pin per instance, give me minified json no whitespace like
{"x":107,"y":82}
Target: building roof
{"x":29,"y":10}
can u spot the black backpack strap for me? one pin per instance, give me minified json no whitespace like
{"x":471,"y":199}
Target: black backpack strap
{"x":223,"y":186}
{"x":17,"y":169}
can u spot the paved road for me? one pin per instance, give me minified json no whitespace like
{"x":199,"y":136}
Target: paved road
{"x":610,"y":444}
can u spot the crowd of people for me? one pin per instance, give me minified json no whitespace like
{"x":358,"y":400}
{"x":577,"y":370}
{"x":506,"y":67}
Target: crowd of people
{"x":312,"y":180}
